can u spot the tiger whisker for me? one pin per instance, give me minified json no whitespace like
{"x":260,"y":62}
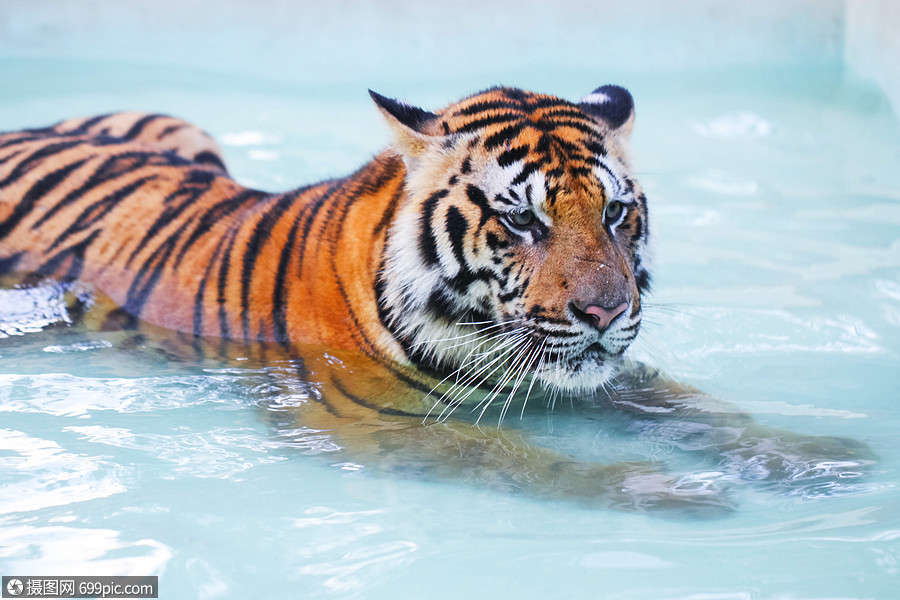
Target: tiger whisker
{"x":454,"y":389}
{"x":469,"y":384}
{"x":499,"y":338}
{"x":525,"y":369}
{"x":534,"y":379}
{"x":503,"y":380}
{"x":481,"y":331}
{"x":485,"y":336}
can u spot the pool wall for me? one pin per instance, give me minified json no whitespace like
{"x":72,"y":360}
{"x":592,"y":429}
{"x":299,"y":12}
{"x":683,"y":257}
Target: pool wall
{"x":406,"y":40}
{"x":872,"y":46}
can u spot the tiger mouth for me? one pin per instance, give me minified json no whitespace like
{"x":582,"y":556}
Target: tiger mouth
{"x":580,"y":371}
{"x":594,"y":349}
{"x":513,"y":360}
{"x":595,"y":353}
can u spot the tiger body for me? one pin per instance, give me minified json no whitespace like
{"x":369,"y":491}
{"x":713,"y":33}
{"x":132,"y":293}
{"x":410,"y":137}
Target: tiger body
{"x":414,"y":249}
{"x":501,"y":242}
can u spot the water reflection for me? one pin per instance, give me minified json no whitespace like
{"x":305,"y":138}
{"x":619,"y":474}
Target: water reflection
{"x":39,"y":473}
{"x":58,"y":550}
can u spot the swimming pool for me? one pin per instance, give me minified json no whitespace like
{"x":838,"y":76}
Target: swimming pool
{"x":775,"y":203}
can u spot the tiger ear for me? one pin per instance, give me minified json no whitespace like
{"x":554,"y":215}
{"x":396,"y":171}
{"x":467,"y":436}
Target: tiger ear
{"x":410,"y":125}
{"x":613,"y":106}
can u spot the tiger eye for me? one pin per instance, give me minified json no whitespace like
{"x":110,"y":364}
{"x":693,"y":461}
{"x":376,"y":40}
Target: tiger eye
{"x":523,"y":219}
{"x":613,"y":211}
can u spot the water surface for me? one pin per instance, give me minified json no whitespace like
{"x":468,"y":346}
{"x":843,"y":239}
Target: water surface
{"x":775,"y":207}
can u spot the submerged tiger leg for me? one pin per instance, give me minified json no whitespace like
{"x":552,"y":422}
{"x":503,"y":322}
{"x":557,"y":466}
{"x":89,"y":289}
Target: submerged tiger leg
{"x":670,"y":412}
{"x":373,"y":420}
{"x":499,"y":459}
{"x":160,"y":131}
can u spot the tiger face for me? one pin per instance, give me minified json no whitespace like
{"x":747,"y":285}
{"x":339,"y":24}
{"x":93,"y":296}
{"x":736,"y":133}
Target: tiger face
{"x":521,"y":244}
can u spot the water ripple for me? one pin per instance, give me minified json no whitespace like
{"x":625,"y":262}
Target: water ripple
{"x":39,"y":473}
{"x":31,"y":309}
{"x":59,"y":549}
{"x":221,"y":453}
{"x":63,"y":394}
{"x":346,"y":548}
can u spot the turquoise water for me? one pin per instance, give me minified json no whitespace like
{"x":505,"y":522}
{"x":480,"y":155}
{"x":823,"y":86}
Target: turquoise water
{"x":775,"y":205}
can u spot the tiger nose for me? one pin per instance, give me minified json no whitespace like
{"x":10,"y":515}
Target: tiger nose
{"x":598,"y":316}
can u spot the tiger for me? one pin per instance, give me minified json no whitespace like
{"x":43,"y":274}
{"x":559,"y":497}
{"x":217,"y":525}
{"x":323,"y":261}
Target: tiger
{"x":498,"y":248}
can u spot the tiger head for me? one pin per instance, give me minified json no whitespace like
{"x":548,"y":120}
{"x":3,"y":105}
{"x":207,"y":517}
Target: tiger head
{"x":519,"y":245}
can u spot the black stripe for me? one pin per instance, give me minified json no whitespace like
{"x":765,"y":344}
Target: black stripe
{"x":427,"y":244}
{"x":224,"y":331}
{"x":366,"y":404}
{"x":580,"y":126}
{"x":495,"y":243}
{"x":441,"y":306}
{"x":456,"y":227}
{"x":111,"y":168}
{"x":527,"y":170}
{"x":145,"y":280}
{"x":643,"y":279}
{"x":508,"y":157}
{"x":487,"y":105}
{"x":487,"y":121}
{"x":75,"y":252}
{"x":572,"y":150}
{"x":388,"y":215}
{"x":207,"y":157}
{"x":171,"y":129}
{"x":215,"y":214}
{"x":580,"y":171}
{"x":358,"y":327}
{"x":140,"y":125}
{"x":317,"y":395}
{"x":310,"y":212}
{"x":466,"y":277}
{"x":402,"y":375}
{"x":545,"y":145}
{"x":367,"y":346}
{"x":26,"y":137}
{"x":192,"y":187}
{"x":252,"y":250}
{"x":41,"y":188}
{"x":38,"y":155}
{"x":87,"y":125}
{"x":504,"y":135}
{"x":595,"y":147}
{"x":279,"y":299}
{"x":8,"y":264}
{"x":201,"y":292}
{"x":562,"y":112}
{"x":501,"y":199}
{"x":549,"y":102}
{"x":11,"y":156}
{"x":96,"y":211}
{"x":381,"y":300}
{"x":507,"y":296}
{"x":383,"y":174}
{"x":551,"y":193}
{"x":477,"y":197}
